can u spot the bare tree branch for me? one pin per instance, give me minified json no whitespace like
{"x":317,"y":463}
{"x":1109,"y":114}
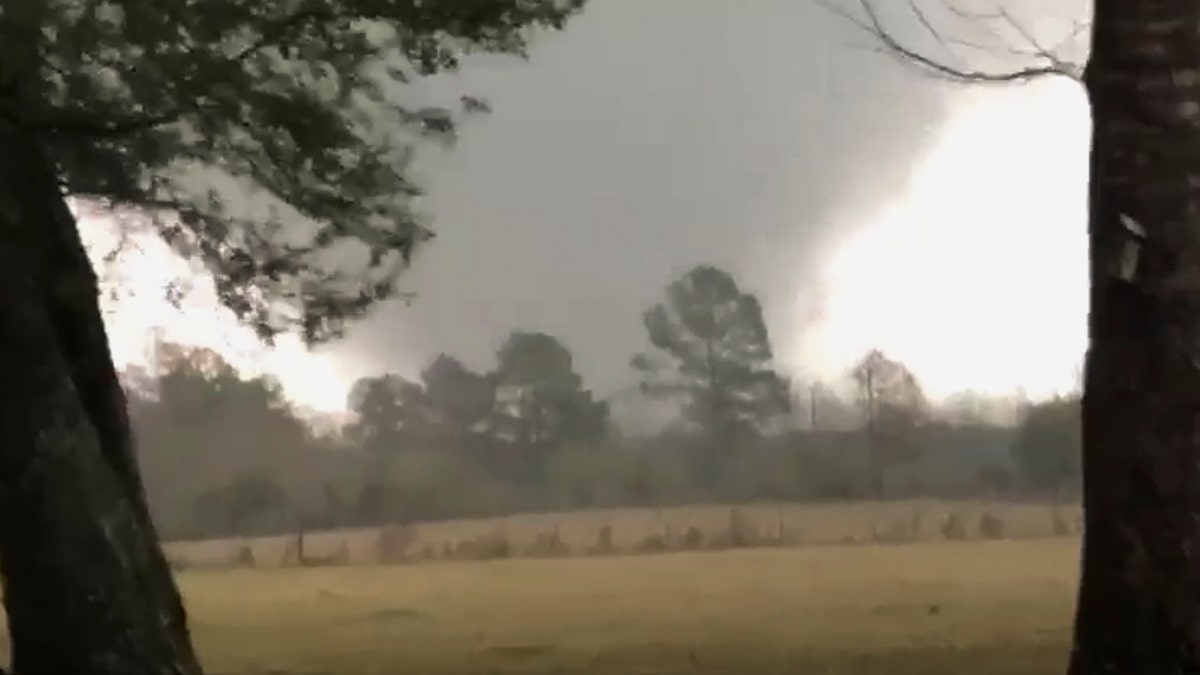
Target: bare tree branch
{"x":1051,"y":63}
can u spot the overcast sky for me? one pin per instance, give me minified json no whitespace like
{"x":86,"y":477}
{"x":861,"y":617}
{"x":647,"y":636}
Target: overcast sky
{"x":764,"y":136}
{"x":650,"y":137}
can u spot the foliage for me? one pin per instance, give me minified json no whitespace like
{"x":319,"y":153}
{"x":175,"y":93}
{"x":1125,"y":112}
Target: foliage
{"x":201,"y":427}
{"x":452,"y":445}
{"x":390,"y":413}
{"x":1047,"y":449}
{"x":198,"y":396}
{"x":713,"y":351}
{"x":540,"y":399}
{"x":893,"y":406}
{"x":460,"y":399}
{"x":237,"y":503}
{"x":291,"y":114}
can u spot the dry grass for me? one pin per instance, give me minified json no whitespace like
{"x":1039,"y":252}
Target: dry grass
{"x":996,"y":603}
{"x":640,"y":529}
{"x":995,"y":607}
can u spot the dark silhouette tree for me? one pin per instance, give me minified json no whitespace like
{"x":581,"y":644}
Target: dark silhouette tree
{"x":541,"y":403}
{"x":200,"y":414}
{"x":714,"y":353}
{"x":460,"y":400}
{"x":893,"y":409}
{"x":1047,"y":448}
{"x":236,"y":504}
{"x":449,"y":406}
{"x":392,"y":414}
{"x":295,"y":106}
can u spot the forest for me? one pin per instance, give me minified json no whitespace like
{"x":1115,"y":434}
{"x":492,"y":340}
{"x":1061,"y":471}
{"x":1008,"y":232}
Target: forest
{"x":225,"y":455}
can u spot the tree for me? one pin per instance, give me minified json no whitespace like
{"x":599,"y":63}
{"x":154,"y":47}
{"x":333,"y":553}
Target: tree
{"x":135,"y":104}
{"x":449,"y":405}
{"x":391,"y":414}
{"x":1046,"y":448}
{"x":827,"y":411}
{"x":200,"y":417}
{"x":974,"y":409}
{"x":235,"y":504}
{"x":459,"y":398}
{"x":1138,"y":608}
{"x":540,"y":400}
{"x":713,"y":350}
{"x":893,"y":408}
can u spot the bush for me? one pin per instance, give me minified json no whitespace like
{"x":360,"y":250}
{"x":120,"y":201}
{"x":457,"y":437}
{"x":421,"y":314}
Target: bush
{"x":604,"y":541}
{"x":548,"y":545}
{"x":991,"y":526}
{"x":653,"y":543}
{"x":954,"y":528}
{"x":243,"y":557}
{"x":692,"y":539}
{"x":491,"y":546}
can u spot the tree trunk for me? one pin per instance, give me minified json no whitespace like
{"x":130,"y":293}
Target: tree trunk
{"x":87,"y":588}
{"x":1139,"y":597}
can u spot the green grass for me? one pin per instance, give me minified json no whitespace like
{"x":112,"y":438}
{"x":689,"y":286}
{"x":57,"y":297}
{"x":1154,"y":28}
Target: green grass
{"x":987,"y":608}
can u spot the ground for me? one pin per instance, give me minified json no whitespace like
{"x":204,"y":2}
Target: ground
{"x":989,"y":608}
{"x":806,"y":523}
{"x":925,"y":607}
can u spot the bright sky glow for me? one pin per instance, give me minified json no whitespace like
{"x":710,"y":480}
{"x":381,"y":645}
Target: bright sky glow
{"x":976,"y":277}
{"x":143,"y":316}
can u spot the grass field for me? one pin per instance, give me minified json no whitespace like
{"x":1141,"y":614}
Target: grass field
{"x":988,"y":608}
{"x":808,"y":524}
{"x":923,"y":608}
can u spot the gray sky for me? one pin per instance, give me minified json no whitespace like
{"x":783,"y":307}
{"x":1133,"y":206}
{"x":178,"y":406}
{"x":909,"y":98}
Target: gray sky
{"x":865,"y":203}
{"x":649,"y":137}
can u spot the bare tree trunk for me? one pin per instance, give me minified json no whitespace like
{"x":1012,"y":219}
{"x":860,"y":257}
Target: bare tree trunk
{"x":87,"y":587}
{"x":1139,"y":598}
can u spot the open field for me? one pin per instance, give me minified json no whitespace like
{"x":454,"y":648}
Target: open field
{"x":831,"y":600}
{"x":988,"y":608}
{"x":631,"y":529}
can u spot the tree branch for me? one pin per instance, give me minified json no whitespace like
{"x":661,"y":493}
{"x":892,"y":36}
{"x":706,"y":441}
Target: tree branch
{"x":61,"y":122}
{"x":873,"y":26}
{"x":65,"y":122}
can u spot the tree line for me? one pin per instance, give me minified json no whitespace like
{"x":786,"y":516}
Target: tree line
{"x":226,"y":455}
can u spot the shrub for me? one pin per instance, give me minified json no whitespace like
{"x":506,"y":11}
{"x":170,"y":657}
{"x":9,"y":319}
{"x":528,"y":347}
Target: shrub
{"x":953,"y":527}
{"x":991,"y":526}
{"x":243,"y":557}
{"x":693,"y":538}
{"x":491,"y":546}
{"x":653,"y":543}
{"x":604,"y":541}
{"x":548,"y":545}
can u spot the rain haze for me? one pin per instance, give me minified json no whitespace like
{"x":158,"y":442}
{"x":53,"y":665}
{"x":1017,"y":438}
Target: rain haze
{"x":745,"y":344}
{"x":868,"y":205}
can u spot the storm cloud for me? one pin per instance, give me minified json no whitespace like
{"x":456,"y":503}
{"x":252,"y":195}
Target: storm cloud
{"x":647,"y":138}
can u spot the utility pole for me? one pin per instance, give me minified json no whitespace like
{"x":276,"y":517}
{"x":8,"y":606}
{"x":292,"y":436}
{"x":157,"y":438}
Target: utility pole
{"x":812,"y":404}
